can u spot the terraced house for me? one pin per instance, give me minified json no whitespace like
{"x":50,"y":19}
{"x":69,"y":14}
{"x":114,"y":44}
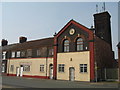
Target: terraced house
{"x":75,"y":53}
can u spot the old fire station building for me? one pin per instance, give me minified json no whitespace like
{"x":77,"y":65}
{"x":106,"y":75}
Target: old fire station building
{"x":75,"y":53}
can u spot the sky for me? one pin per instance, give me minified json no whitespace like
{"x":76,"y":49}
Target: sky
{"x":36,"y":20}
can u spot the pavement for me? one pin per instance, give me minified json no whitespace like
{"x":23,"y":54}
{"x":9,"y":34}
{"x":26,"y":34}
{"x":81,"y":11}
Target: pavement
{"x":22,"y":82}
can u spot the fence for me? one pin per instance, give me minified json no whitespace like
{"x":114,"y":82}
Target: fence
{"x":108,"y":74}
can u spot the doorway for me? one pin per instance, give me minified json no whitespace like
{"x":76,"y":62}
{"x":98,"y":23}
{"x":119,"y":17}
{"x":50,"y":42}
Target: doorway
{"x":51,"y":71}
{"x":71,"y":74}
{"x":17,"y":71}
{"x":21,"y":70}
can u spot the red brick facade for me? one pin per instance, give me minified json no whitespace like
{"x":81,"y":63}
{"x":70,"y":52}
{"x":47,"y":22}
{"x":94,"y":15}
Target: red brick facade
{"x":119,"y":59}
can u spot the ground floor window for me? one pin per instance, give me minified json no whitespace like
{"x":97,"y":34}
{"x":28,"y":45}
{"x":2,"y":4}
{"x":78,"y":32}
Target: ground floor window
{"x":26,"y":68}
{"x":3,"y":67}
{"x":61,"y":67}
{"x":41,"y":68}
{"x":83,"y":68}
{"x":12,"y":68}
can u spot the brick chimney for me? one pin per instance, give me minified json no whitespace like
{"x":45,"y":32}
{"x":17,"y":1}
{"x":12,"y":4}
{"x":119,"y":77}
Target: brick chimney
{"x":4,"y":42}
{"x":22,"y":39}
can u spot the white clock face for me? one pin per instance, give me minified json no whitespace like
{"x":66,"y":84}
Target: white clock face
{"x":72,"y":31}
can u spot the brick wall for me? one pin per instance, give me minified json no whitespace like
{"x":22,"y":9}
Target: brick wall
{"x":119,"y":62}
{"x":104,"y":56}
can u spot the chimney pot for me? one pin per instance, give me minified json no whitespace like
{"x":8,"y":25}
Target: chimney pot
{"x":4,"y":42}
{"x":22,"y":39}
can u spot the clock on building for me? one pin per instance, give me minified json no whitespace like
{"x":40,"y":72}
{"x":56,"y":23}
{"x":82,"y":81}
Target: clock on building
{"x":72,"y":31}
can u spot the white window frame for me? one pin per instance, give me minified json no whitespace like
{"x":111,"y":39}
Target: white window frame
{"x":18,"y":54}
{"x":4,"y":55}
{"x":26,"y":68}
{"x":29,"y":52}
{"x":51,"y":51}
{"x":61,"y":67}
{"x":38,"y":52}
{"x":41,"y":68}
{"x":3,"y":67}
{"x":13,"y":54}
{"x":23,"y":53}
{"x":83,"y":68}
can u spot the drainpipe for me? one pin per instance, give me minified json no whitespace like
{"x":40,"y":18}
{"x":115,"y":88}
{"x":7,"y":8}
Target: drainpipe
{"x":46,"y":61}
{"x":96,"y":72}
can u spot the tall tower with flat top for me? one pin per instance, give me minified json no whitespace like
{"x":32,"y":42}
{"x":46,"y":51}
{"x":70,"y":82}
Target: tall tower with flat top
{"x":103,"y":26}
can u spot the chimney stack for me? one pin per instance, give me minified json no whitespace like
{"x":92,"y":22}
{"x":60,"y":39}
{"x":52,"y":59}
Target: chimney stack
{"x":4,"y":42}
{"x":22,"y":39}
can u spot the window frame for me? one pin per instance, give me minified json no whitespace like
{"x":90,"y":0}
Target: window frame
{"x":13,"y":54}
{"x":83,"y":68}
{"x":79,"y":44}
{"x":61,"y":68}
{"x":38,"y":52}
{"x":23,"y":55}
{"x":42,"y":68}
{"x":4,"y":53}
{"x":66,"y":45}
{"x":18,"y":54}
{"x":26,"y":68}
{"x":51,"y":52}
{"x":29,"y":52}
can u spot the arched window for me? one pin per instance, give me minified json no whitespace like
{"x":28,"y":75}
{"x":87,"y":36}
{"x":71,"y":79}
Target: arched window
{"x":79,"y":44}
{"x":66,"y":45}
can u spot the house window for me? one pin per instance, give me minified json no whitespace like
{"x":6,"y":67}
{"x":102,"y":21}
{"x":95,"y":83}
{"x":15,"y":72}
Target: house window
{"x":61,"y":68}
{"x":13,"y":54}
{"x":83,"y":68}
{"x":18,"y":54}
{"x":41,"y":68}
{"x":22,"y":53}
{"x":29,"y":52}
{"x":4,"y":55}
{"x":79,"y":44}
{"x":66,"y":46}
{"x":12,"y":68}
{"x":3,"y":67}
{"x":38,"y":52}
{"x":51,"y":51}
{"x":26,"y":68}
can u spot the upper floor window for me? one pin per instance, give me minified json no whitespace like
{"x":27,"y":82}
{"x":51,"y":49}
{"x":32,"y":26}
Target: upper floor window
{"x":18,"y":54}
{"x":4,"y":55}
{"x":66,"y":46}
{"x":13,"y":54}
{"x":79,"y":44}
{"x":38,"y":52}
{"x":51,"y":51}
{"x":29,"y":52}
{"x":23,"y":53}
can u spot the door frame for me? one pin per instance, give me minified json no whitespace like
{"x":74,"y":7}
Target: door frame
{"x":70,"y":73}
{"x":50,"y":65}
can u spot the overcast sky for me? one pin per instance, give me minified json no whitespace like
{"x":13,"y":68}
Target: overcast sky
{"x":37,"y":20}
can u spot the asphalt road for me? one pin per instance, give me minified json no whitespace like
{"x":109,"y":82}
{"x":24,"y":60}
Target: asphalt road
{"x":22,"y":82}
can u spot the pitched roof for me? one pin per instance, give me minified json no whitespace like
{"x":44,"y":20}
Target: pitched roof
{"x":31,"y":44}
{"x":75,"y":23}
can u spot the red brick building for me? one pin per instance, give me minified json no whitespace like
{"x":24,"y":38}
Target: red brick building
{"x":119,"y":59}
{"x":74,"y":53}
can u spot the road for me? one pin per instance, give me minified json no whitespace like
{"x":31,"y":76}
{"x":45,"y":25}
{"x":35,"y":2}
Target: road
{"x":22,"y":82}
